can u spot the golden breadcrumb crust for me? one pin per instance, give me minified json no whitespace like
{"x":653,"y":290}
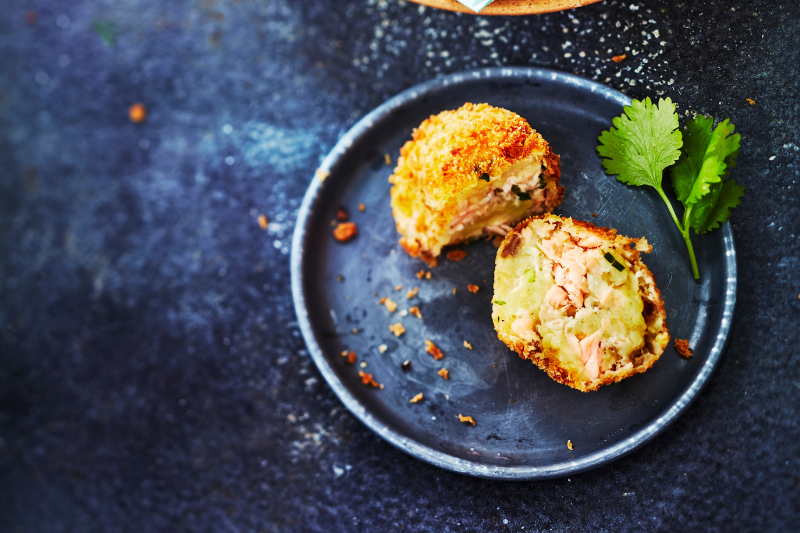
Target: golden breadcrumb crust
{"x":447,"y":156}
{"x":655,"y":316}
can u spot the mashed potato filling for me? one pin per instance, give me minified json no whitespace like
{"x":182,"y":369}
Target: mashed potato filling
{"x":576,"y":298}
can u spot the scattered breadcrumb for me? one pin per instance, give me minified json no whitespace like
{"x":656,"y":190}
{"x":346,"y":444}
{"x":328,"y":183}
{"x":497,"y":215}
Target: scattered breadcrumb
{"x":406,"y":366}
{"x":620,"y":58}
{"x":355,"y":331}
{"x":444,"y":373}
{"x":321,"y":174}
{"x":137,"y":113}
{"x":750,"y":101}
{"x":454,"y":290}
{"x":416,"y":398}
{"x":351,"y":356}
{"x":398,"y":288}
{"x":420,"y":274}
{"x":456,"y":255}
{"x":340,"y":278}
{"x":382,"y":348}
{"x":473,"y":288}
{"x":594,"y":215}
{"x":397,"y":329}
{"x":427,"y":275}
{"x":390,"y":305}
{"x":345,"y":231}
{"x":263,"y":222}
{"x":433,"y":350}
{"x":415,"y":311}
{"x":341,"y":214}
{"x":363,"y":364}
{"x":413,"y":292}
{"x":682,"y":347}
{"x":388,"y":159}
{"x":569,"y":444}
{"x":497,"y":241}
{"x":462,"y":418}
{"x":467,"y":345}
{"x":362,"y":207}
{"x":367,"y":379}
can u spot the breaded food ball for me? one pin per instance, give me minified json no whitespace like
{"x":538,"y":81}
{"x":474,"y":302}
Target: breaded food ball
{"x":577,"y":300}
{"x":474,"y":171}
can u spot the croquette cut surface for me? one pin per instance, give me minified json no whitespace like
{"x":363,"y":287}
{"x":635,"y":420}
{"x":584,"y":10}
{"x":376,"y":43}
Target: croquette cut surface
{"x":474,"y":171}
{"x":577,"y":301}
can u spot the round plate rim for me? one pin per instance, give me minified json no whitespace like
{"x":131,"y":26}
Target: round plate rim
{"x":442,"y":459}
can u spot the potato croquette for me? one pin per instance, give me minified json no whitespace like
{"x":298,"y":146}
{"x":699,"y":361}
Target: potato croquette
{"x":577,"y":301}
{"x":474,"y":171}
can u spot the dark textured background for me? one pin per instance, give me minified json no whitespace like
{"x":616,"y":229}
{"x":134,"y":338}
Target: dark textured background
{"x":152,"y":376}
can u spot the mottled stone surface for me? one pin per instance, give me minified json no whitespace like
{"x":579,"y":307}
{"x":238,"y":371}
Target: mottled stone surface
{"x":152,"y":376}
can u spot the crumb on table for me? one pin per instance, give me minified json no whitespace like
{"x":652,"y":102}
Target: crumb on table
{"x":473,"y":288}
{"x":682,"y":347}
{"x":397,"y":329}
{"x":750,"y":101}
{"x":416,"y":398}
{"x":345,"y":231}
{"x":263,"y":222}
{"x":619,"y":58}
{"x":444,"y":373}
{"x":388,"y":159}
{"x":415,"y":311}
{"x":137,"y":113}
{"x":569,"y":444}
{"x":433,"y":350}
{"x":468,"y":419}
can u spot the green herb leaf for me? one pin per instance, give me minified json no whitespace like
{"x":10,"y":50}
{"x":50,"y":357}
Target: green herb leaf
{"x":530,"y":275}
{"x":695,"y":143}
{"x":105,"y":31}
{"x":500,"y":303}
{"x":485,"y":177}
{"x":520,"y":194}
{"x":715,"y":208}
{"x":613,"y":260}
{"x":542,"y":182}
{"x":644,"y":141}
{"x":721,"y":148}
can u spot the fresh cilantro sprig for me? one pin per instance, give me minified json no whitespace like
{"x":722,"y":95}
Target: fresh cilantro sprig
{"x":646,"y":140}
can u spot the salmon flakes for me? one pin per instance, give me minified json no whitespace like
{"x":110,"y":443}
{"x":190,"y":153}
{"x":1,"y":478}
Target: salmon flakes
{"x":390,"y":305}
{"x":444,"y":373}
{"x":367,"y":379}
{"x":473,"y":288}
{"x":433,"y":350}
{"x":467,"y":419}
{"x":397,"y":329}
{"x":456,"y":255}
{"x":415,"y":311}
{"x":416,"y":398}
{"x":345,"y":231}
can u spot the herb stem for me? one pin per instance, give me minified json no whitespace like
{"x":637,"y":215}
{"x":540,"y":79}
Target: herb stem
{"x":684,"y":229}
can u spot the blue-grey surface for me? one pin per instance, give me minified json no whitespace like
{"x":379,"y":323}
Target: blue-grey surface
{"x":152,"y":377}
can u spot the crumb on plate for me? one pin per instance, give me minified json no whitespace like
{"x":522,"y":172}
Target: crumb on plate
{"x":467,"y":345}
{"x":462,"y":418}
{"x":341,"y":213}
{"x":382,"y":348}
{"x":406,"y":366}
{"x":682,"y":347}
{"x":137,"y":113}
{"x":263,"y":222}
{"x":415,"y":311}
{"x":456,"y":255}
{"x":473,"y":288}
{"x":367,"y":379}
{"x":444,"y":373}
{"x":388,"y":159}
{"x":433,"y":350}
{"x":397,"y":329}
{"x":362,"y":207}
{"x":569,"y":444}
{"x":416,"y":398}
{"x":321,"y":174}
{"x":345,"y":231}
{"x":413,"y":292}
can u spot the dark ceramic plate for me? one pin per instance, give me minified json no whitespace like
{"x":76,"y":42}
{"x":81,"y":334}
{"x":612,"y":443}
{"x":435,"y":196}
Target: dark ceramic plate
{"x":524,"y":419}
